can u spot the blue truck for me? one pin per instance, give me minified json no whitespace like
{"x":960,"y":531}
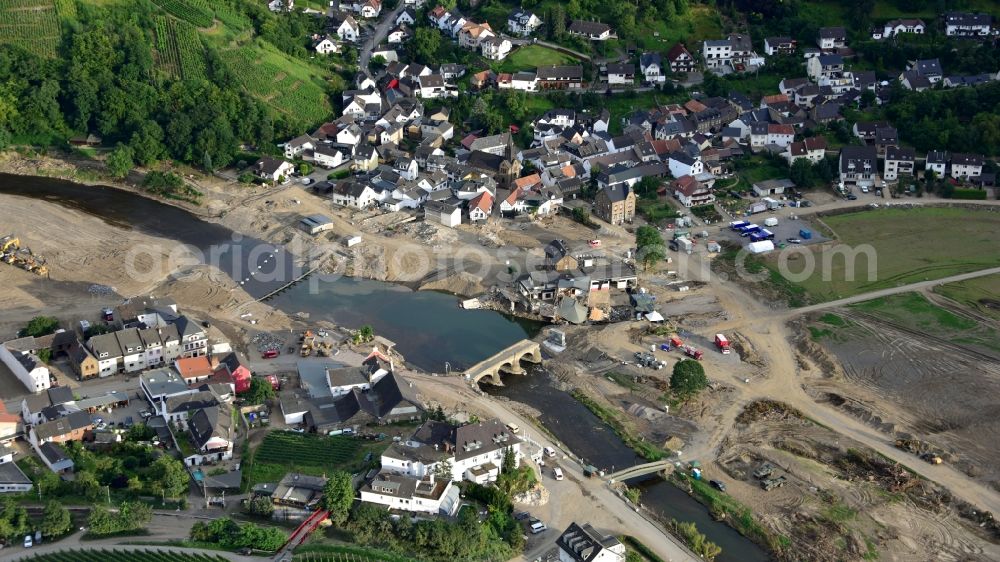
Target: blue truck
{"x":737,"y":225}
{"x":762,"y":234}
{"x":748,"y":230}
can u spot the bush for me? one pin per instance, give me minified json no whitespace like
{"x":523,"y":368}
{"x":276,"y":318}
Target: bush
{"x":131,"y":516}
{"x":229,"y":534}
{"x":40,"y":326}
{"x":975,"y":194}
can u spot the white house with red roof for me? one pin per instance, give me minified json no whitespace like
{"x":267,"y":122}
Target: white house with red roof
{"x":481,"y":207}
{"x":692,"y":193}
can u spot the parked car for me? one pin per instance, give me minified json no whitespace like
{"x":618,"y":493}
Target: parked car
{"x":270,"y":354}
{"x":28,"y":543}
{"x":718,"y":485}
{"x":557,"y":473}
{"x":794,"y":240}
{"x":538,"y":527}
{"x":549,"y":452}
{"x":522,"y":515}
{"x":852,"y":197}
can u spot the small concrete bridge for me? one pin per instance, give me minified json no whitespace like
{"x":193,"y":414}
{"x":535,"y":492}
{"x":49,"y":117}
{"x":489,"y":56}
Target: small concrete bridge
{"x":507,"y":360}
{"x":639,"y":470}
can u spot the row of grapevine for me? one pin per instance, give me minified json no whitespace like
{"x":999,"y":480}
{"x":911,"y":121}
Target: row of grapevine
{"x":283,"y":448}
{"x":116,"y":555}
{"x":66,"y":9}
{"x":30,"y":24}
{"x":233,"y":18}
{"x":191,"y":51}
{"x":166,"y":45}
{"x":196,"y":12}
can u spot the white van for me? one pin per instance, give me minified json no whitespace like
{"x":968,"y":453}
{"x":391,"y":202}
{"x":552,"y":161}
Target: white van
{"x":512,"y":427}
{"x":549,"y":452}
{"x":557,"y":473}
{"x":538,"y":527}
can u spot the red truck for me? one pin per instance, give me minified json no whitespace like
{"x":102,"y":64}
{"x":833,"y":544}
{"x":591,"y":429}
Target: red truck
{"x":693,"y":353}
{"x":722,"y":343}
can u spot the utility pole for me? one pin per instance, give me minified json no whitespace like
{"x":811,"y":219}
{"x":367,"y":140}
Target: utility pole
{"x":108,"y":488}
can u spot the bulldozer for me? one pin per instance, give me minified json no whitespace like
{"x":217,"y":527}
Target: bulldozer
{"x":8,"y":243}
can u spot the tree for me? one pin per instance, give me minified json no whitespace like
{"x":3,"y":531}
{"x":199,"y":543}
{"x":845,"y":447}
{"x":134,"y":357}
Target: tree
{"x":260,"y":391}
{"x":443,"y":470}
{"x":801,"y":173}
{"x":170,"y":478}
{"x":55,"y":519}
{"x":426,"y":42}
{"x":364,"y":334}
{"x":206,"y":162}
{"x":581,"y":215}
{"x":120,"y":161}
{"x":45,"y":355}
{"x":688,"y":378}
{"x":261,"y":506}
{"x":13,"y":520}
{"x":41,"y":326}
{"x":338,"y":496}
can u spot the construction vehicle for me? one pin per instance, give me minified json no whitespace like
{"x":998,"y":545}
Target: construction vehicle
{"x":763,"y":471}
{"x":11,"y":252}
{"x":308,"y":342}
{"x":772,"y":483}
{"x":932,"y":458}
{"x":692,"y":352}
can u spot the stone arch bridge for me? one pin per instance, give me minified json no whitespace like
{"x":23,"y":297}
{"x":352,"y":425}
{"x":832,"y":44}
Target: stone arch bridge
{"x":507,"y":360}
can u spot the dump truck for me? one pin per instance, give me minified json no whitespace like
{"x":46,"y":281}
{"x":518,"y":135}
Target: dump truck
{"x":676,"y":341}
{"x":763,"y":471}
{"x":722,"y":343}
{"x":769,"y":484}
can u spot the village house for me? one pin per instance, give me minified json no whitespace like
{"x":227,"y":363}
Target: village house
{"x":350,"y":193}
{"x":690,"y":192}
{"x":558,"y":257}
{"x":735,"y":52}
{"x":779,"y":46}
{"x":615,"y":204}
{"x":324,"y":45}
{"x":194,"y":369}
{"x":367,"y":9}
{"x":495,"y":48}
{"x":680,"y":59}
{"x":560,"y":77}
{"x":160,"y":384}
{"x":400,"y":492}
{"x":212,"y":434}
{"x":898,"y":162}
{"x":591,"y":30}
{"x":621,"y":74}
{"x":12,"y":478}
{"x":585,"y":544}
{"x":831,"y":38}
{"x":474,"y":451}
{"x":682,"y":164}
{"x":523,"y":22}
{"x":768,"y":188}
{"x":965,"y":24}
{"x":651,"y":66}
{"x":344,"y":26}
{"x":812,"y":149}
{"x":884,"y":138}
{"x":936,"y":163}
{"x":72,"y":427}
{"x":25,"y":365}
{"x":84,"y":363}
{"x":295,"y":492}
{"x":895,"y":27}
{"x":406,"y":17}
{"x":481,"y":207}
{"x":473,"y":33}
{"x":178,"y":409}
{"x":298,"y":145}
{"x":272,"y":169}
{"x":443,"y":213}
{"x":966,"y":166}
{"x":858,"y":166}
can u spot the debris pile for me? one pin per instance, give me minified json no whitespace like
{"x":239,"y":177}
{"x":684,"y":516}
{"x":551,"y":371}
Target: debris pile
{"x":265,"y":341}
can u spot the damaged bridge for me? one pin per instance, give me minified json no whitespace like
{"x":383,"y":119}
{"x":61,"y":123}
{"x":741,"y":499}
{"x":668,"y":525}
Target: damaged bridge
{"x":507,"y":360}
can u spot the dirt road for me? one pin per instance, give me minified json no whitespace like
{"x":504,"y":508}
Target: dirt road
{"x":767,"y":331}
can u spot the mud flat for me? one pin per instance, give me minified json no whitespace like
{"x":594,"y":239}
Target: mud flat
{"x":941,"y":387}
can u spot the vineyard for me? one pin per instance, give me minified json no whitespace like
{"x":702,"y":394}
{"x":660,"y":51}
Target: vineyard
{"x":284,"y":451}
{"x":115,"y":555}
{"x":196,"y":12}
{"x":179,"y":51}
{"x":31,"y":24}
{"x":287,"y":85}
{"x":326,"y":553}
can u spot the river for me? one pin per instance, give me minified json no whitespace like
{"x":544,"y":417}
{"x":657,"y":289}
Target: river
{"x":428,"y":328}
{"x":591,"y":439}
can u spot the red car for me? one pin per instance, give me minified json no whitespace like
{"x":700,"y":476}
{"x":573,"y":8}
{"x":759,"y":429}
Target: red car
{"x":270,"y":354}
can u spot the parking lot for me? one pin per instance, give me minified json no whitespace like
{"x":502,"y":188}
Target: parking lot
{"x":786,"y":228}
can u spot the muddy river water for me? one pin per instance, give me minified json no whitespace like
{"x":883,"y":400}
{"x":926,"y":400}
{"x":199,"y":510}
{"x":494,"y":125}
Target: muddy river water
{"x":428,"y":328}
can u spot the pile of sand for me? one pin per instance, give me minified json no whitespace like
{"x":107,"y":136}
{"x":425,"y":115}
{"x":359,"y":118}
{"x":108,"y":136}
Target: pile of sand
{"x":462,"y":284}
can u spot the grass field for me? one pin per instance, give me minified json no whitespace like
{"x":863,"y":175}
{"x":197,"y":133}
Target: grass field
{"x":981,"y":294}
{"x":33,"y":25}
{"x":531,"y":57}
{"x":907,"y":245}
{"x":123,"y":556}
{"x":285,"y":451}
{"x":915,"y":312}
{"x":290,"y":86}
{"x":699,"y":23}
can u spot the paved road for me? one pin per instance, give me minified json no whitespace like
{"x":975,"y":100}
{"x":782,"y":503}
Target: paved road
{"x":382,"y":27}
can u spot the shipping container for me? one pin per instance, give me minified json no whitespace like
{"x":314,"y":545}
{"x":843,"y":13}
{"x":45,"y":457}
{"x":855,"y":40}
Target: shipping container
{"x":805,"y":234}
{"x":771,"y":221}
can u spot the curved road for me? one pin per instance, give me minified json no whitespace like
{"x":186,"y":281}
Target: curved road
{"x":382,"y":27}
